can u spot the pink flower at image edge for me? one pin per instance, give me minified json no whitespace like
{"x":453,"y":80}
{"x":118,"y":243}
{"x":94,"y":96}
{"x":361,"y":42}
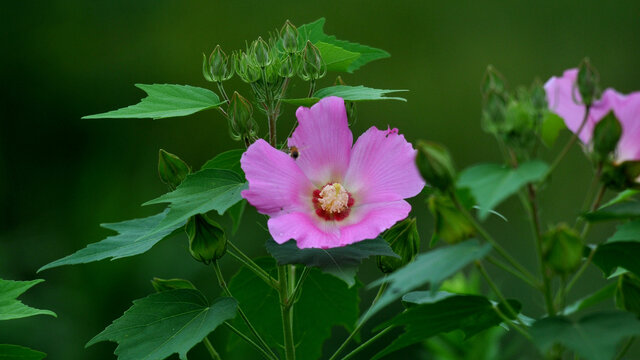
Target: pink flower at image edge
{"x":336,"y":192}
{"x":564,"y":99}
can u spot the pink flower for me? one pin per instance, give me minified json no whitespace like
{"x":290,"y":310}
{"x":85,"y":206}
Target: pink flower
{"x":564,"y":99}
{"x":335,"y":193}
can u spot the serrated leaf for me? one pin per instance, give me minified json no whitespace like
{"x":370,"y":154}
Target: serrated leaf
{"x":336,"y":58}
{"x":16,"y":352}
{"x":341,"y":262}
{"x":552,"y":124}
{"x":325,"y":302}
{"x":166,"y":323}
{"x":629,"y":231}
{"x":442,"y":312}
{"x":11,"y":307}
{"x":134,"y":237}
{"x":164,"y":101}
{"x":490,"y":184}
{"x":431,"y":268}
{"x":229,"y":160}
{"x":622,"y":196}
{"x":622,"y":210}
{"x":591,"y":300}
{"x":594,"y":337}
{"x":348,"y":93}
{"x":199,"y":193}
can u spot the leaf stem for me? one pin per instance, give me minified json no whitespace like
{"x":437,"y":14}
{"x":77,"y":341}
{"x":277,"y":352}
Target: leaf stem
{"x":250,"y":342}
{"x":214,"y":354}
{"x":298,"y":287}
{"x":512,"y":271}
{"x":224,"y":93}
{"x":244,"y":259}
{"x":312,"y":88}
{"x":626,"y":348}
{"x":569,"y":144}
{"x":367,"y":343}
{"x":286,"y":312}
{"x":225,"y":288}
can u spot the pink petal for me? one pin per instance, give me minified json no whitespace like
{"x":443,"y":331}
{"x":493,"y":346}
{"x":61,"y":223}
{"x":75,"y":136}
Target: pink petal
{"x":382,"y":168}
{"x":324,"y":141}
{"x":627,"y":110}
{"x":276,"y":183}
{"x":372,"y":219}
{"x":305,"y":229}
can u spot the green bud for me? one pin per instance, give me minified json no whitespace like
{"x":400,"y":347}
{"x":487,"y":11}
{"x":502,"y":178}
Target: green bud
{"x":207,"y":240}
{"x":312,"y":66}
{"x":562,"y":249}
{"x":628,"y":293}
{"x":622,"y":176}
{"x":245,"y":69}
{"x":493,"y":81}
{"x":606,"y":135}
{"x":435,"y":165}
{"x":171,"y":169}
{"x":493,"y":112}
{"x":220,"y":67}
{"x":287,"y":67}
{"x":289,"y":36}
{"x":450,"y":224}
{"x":260,"y":53}
{"x":171,"y":284}
{"x":241,"y":122}
{"x":587,"y":82}
{"x":404,"y":240}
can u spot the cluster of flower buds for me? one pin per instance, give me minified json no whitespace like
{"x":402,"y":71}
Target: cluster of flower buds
{"x":404,"y":240}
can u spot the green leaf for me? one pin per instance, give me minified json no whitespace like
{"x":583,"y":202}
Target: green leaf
{"x":431,"y":268}
{"x":621,"y":210}
{"x":314,"y":32}
{"x":348,"y":93}
{"x":594,"y":337}
{"x":490,"y":184}
{"x":341,"y":262}
{"x":622,"y":196}
{"x":612,"y":255}
{"x":591,"y":300}
{"x":627,"y":232}
{"x":324,"y":302}
{"x":11,"y":307}
{"x":235,"y":213}
{"x":165,"y":323}
{"x":229,"y":160}
{"x":336,"y":58}
{"x":442,"y":312}
{"x":552,"y":124}
{"x":199,"y":193}
{"x":164,"y":101}
{"x":134,"y":237}
{"x":16,"y":352}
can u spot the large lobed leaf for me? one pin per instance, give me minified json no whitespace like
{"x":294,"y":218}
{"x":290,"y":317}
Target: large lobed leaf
{"x":324,"y":302}
{"x":335,"y":57}
{"x":490,"y":184}
{"x":11,"y":307}
{"x":166,"y":100}
{"x":16,"y":352}
{"x":341,"y":262}
{"x":134,"y":237}
{"x":620,"y":250}
{"x":629,"y":209}
{"x":593,"y":337}
{"x":348,"y":93}
{"x":166,"y":323}
{"x":430,"y":268}
{"x":430,"y":314}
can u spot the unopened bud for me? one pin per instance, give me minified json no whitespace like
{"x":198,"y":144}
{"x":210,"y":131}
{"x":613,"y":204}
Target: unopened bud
{"x":606,"y":135}
{"x":493,"y":82}
{"x":171,"y":284}
{"x":404,"y":240}
{"x":220,"y":67}
{"x":289,"y":36}
{"x":628,"y":293}
{"x":287,"y":67}
{"x":171,"y":169}
{"x":587,"y":82}
{"x":245,"y":69}
{"x":450,"y":224}
{"x":313,"y":66}
{"x":435,"y":165}
{"x":207,"y":240}
{"x":241,"y":117}
{"x":562,"y":249}
{"x":260,"y":53}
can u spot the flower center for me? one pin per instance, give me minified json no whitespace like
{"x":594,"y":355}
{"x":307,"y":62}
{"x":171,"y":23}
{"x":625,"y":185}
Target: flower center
{"x":333,"y":202}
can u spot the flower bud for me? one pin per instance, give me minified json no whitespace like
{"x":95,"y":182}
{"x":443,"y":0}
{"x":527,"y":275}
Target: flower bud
{"x":260,"y":53}
{"x":219,"y":66}
{"x":562,"y":249}
{"x":242,"y":124}
{"x":287,"y":67}
{"x":404,"y":240}
{"x":619,"y":177}
{"x":171,"y":284}
{"x":628,"y":293}
{"x":313,"y":66}
{"x":606,"y":135}
{"x":493,"y":82}
{"x":207,"y":240}
{"x":587,"y":82}
{"x":435,"y":165}
{"x":171,"y":169}
{"x":289,"y":36}
{"x":450,"y":224}
{"x":245,"y":69}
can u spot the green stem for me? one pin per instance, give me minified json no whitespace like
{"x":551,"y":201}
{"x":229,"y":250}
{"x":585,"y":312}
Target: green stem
{"x":214,"y":354}
{"x":508,"y":321}
{"x":298,"y":287}
{"x":286,"y":312}
{"x":626,"y":348}
{"x":312,"y":88}
{"x":569,"y":144}
{"x":512,"y":271}
{"x":253,"y":330}
{"x":224,"y":93}
{"x":246,"y":261}
{"x":367,"y":343}
{"x":250,"y":342}
{"x":361,"y":322}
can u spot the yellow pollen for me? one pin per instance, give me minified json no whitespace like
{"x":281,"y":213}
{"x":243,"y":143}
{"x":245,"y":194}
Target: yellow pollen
{"x":333,"y":198}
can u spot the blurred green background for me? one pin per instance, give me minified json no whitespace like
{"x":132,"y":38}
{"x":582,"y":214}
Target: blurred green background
{"x":61,"y":176}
